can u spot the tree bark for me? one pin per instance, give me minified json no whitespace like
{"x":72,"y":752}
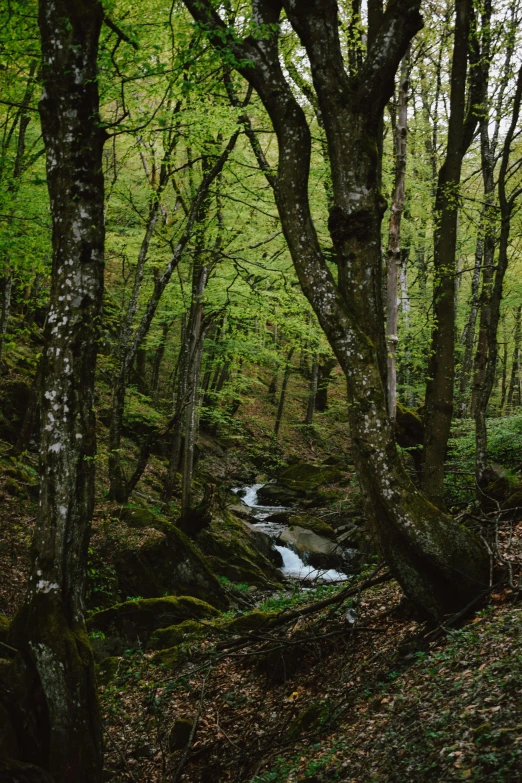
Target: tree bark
{"x":50,"y":628}
{"x":394,"y":236}
{"x":313,"y":391}
{"x":514,"y":383}
{"x":282,"y":395}
{"x":441,"y":365}
{"x":326,"y":368}
{"x":439,"y":563}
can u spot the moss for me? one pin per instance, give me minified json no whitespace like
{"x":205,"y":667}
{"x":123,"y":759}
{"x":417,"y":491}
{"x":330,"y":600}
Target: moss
{"x":107,"y":670}
{"x":232,"y":553}
{"x":304,"y":477}
{"x":176,"y":634}
{"x":250,"y":622}
{"x":137,"y":620}
{"x":172,"y":657}
{"x":13,"y":487}
{"x":315,"y":524}
{"x":167,"y":563}
{"x":137,"y":517}
{"x":180,"y":734}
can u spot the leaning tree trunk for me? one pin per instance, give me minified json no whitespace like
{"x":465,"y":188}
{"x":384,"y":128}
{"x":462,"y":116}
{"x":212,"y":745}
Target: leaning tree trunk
{"x":50,"y":628}
{"x":439,"y":563}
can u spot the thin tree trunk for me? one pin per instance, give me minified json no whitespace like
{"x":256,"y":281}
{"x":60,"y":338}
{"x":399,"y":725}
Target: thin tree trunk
{"x":158,"y":359}
{"x":313,"y":391}
{"x":468,"y":335}
{"x":441,"y":365}
{"x":515,"y":364}
{"x":394,"y":236}
{"x":323,"y":382}
{"x":282,"y":395}
{"x":33,"y":300}
{"x":50,"y":628}
{"x":6,"y":309}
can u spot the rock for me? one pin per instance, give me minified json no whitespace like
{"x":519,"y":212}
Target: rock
{"x":131,"y":624}
{"x":308,"y":718}
{"x":514,"y":504}
{"x":350,"y":536}
{"x":315,"y":550}
{"x":280,"y":516}
{"x":232,"y":551}
{"x":496,"y":485}
{"x":242,"y":512}
{"x":264,"y":544}
{"x":172,"y":657}
{"x":167,"y":563}
{"x":174,"y":635}
{"x":277,"y":495}
{"x":304,"y":477}
{"x":15,"y":772}
{"x":250,"y":622}
{"x":315,"y":524}
{"x":137,"y":517}
{"x":8,"y":740}
{"x":180,"y":734}
{"x":107,"y":670}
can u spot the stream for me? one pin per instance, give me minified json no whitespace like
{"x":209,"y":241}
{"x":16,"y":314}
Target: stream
{"x":293,"y":566}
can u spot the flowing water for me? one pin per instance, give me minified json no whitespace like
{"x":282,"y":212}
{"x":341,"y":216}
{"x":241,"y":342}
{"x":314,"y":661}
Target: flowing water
{"x":292,"y":566}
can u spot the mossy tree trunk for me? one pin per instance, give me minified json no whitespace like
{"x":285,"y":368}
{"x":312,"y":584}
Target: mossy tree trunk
{"x":439,"y":563}
{"x":50,"y":628}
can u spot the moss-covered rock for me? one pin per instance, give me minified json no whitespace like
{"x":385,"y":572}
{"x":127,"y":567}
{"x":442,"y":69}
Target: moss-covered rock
{"x":305,"y":477}
{"x":130,"y":625}
{"x":186,"y":631}
{"x":107,"y":670}
{"x":138,"y":517}
{"x":180,"y":734}
{"x":277,"y":495}
{"x":253,"y":621}
{"x":172,"y":657}
{"x":315,"y":524}
{"x":167,"y":563}
{"x":230,"y":547}
{"x":514,"y":504}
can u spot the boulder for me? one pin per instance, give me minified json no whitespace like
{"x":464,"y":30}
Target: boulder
{"x":107,"y":670}
{"x":180,"y":734}
{"x":166,"y":563}
{"x":139,"y":518}
{"x":313,"y":549}
{"x":242,"y":512}
{"x":497,"y":485}
{"x":513,"y":504}
{"x":315,"y":524}
{"x":264,"y":544}
{"x":176,"y":634}
{"x":131,"y":624}
{"x":304,"y":477}
{"x":253,"y":621}
{"x":232,"y":549}
{"x":277,"y":495}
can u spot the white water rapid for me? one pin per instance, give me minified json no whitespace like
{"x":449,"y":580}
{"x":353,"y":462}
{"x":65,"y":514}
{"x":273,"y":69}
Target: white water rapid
{"x":293,"y":566}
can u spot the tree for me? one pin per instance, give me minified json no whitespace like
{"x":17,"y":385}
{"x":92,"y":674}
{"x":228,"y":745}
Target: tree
{"x":64,"y":733}
{"x":439,"y":563}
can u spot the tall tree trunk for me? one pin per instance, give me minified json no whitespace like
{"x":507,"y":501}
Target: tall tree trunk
{"x":394,"y":236}
{"x":158,"y":359}
{"x":282,"y":395}
{"x":441,"y":365}
{"x":326,"y":368}
{"x":492,"y":281}
{"x":50,"y":628}
{"x":313,"y":391}
{"x":514,"y":383}
{"x":439,"y":563}
{"x":468,"y":335}
{"x":6,"y":309}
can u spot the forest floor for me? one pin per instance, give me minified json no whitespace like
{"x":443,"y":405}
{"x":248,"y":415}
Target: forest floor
{"x":360,"y":691}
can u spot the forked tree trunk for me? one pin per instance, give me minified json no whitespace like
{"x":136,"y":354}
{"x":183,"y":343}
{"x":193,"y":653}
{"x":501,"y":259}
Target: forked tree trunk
{"x":439,"y":563}
{"x":50,"y":628}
